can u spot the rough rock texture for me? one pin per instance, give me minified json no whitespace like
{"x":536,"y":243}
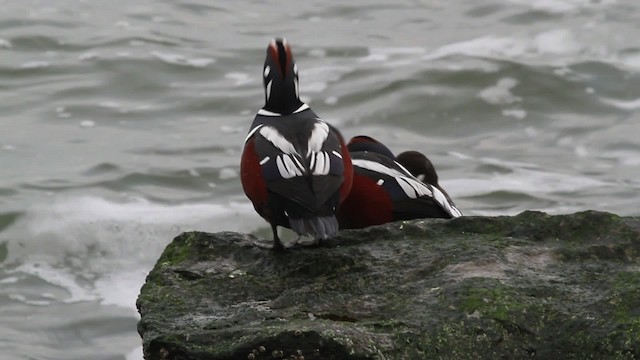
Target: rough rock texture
{"x":528,"y":286}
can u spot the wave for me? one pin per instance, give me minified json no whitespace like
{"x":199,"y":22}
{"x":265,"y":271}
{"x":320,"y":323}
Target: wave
{"x":95,"y":249}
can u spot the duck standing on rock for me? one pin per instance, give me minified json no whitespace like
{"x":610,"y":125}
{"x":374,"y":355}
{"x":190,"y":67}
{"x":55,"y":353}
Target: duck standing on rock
{"x":295,"y":167}
{"x":384,"y":190}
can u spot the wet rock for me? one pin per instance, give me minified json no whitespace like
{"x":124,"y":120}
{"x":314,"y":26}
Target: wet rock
{"x":521,"y":287}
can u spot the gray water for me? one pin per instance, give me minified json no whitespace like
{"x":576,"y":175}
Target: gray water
{"x":122,"y":122}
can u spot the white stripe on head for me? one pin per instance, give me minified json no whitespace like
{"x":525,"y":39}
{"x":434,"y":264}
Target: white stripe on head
{"x":274,"y":137}
{"x":267,"y":70}
{"x":319,"y":135}
{"x":269,"y":89}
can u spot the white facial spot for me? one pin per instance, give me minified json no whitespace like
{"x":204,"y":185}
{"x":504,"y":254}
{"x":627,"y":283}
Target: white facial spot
{"x":295,"y":69}
{"x":269,"y":90}
{"x":267,"y":70}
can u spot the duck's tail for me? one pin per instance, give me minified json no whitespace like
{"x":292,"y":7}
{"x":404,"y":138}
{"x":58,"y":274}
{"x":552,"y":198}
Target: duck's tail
{"x":321,"y":227}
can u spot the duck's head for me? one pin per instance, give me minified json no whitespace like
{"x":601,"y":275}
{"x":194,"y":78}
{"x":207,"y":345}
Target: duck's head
{"x":280,"y":78}
{"x":419,"y":166}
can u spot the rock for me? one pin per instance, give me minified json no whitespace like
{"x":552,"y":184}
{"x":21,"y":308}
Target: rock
{"x":527,"y":286}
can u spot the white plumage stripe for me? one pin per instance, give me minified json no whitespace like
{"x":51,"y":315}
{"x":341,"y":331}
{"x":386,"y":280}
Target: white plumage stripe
{"x":286,"y":167}
{"x":291,"y":166}
{"x":253,"y":131}
{"x":264,"y":112}
{"x":377,"y":167}
{"x":327,"y":163}
{"x":301,"y":108}
{"x":320,"y":164}
{"x":337,"y":154}
{"x":298,"y":163}
{"x":265,"y":160}
{"x":279,"y":141}
{"x":282,"y":169}
{"x":411,"y":186}
{"x":318,"y":136}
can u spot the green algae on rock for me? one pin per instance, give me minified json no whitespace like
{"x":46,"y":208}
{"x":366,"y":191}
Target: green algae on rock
{"x":527,"y":286}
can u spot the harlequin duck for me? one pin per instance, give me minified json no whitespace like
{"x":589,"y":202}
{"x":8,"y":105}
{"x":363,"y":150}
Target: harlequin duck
{"x":295,"y":167}
{"x":384,"y":190}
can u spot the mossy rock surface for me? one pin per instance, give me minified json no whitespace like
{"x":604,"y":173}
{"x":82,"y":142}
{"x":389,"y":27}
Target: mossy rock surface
{"x":531,"y":286}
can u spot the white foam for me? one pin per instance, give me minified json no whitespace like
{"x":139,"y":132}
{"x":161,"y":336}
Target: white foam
{"x":88,"y":123}
{"x":630,"y":59}
{"x":9,"y":280}
{"x":320,"y":53}
{"x":62,"y":278}
{"x":109,"y":104}
{"x":177,"y":59}
{"x":101,"y":250}
{"x":515,"y":113}
{"x":526,"y":181}
{"x":88,"y":56}
{"x":316,"y":79}
{"x":500,"y":94}
{"x":563,"y":6}
{"x":135,"y":354}
{"x":35,"y":65}
{"x":486,"y":46}
{"x":557,"y":42}
{"x":239,"y":78}
{"x":621,"y":104}
{"x":331,"y":100}
{"x":227,"y":173}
